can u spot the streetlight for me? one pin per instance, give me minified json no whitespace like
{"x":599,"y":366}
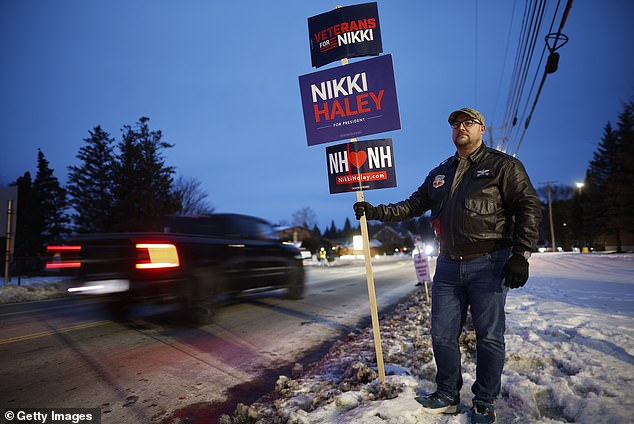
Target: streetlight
{"x":578,"y":217}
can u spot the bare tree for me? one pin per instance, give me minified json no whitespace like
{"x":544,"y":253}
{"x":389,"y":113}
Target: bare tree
{"x":192,"y":198}
{"x":305,"y":217}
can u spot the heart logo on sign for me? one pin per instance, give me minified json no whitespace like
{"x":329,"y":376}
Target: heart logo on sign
{"x":358,"y":158}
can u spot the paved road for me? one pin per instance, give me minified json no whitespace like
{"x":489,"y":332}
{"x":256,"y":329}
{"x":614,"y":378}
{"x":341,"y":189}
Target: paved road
{"x":66,"y":353}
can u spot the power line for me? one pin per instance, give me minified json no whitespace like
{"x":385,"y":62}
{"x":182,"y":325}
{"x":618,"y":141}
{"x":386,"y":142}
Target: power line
{"x":506,"y":53}
{"x":520,"y":95}
{"x":520,"y":103}
{"x":520,"y":69}
{"x":530,"y":38}
{"x":551,"y":65}
{"x":475,"y":62}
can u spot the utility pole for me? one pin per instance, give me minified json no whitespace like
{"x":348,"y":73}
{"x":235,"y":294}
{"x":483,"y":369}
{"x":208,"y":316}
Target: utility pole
{"x":550,"y":214}
{"x":496,"y":142}
{"x":491,"y":137}
{"x":7,"y":258}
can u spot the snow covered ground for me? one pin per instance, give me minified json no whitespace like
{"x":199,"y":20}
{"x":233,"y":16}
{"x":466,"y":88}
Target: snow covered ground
{"x":570,"y":357}
{"x":28,"y":289}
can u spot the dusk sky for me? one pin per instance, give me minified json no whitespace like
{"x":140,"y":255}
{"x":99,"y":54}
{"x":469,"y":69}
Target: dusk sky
{"x":220,"y":80}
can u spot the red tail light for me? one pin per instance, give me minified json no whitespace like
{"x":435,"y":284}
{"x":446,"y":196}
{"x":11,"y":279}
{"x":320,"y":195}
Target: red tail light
{"x":63,"y":248}
{"x":63,"y":257}
{"x":156,"y":255}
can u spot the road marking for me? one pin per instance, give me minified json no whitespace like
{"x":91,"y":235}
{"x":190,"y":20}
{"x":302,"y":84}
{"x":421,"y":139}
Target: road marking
{"x":82,"y":302}
{"x":53,"y":332}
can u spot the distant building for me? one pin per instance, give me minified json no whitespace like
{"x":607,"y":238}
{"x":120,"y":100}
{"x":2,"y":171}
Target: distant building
{"x":293,"y":234}
{"x":392,"y":240}
{"x":347,"y":249}
{"x":388,"y":235}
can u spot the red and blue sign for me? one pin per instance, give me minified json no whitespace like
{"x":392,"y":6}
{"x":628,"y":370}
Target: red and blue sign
{"x":350,"y":101}
{"x":361,"y":165}
{"x":350,"y":31}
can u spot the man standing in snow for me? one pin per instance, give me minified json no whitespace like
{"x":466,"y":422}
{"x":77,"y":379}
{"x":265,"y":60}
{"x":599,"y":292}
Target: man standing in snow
{"x":486,"y":215}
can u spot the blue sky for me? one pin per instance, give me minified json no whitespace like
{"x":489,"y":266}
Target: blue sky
{"x":220,"y":79}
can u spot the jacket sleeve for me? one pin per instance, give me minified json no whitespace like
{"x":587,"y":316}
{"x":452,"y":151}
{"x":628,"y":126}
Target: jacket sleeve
{"x":521,"y":200}
{"x":414,"y":206}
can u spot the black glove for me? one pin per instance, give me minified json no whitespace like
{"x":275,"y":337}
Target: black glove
{"x":515,"y":271}
{"x":371,"y":212}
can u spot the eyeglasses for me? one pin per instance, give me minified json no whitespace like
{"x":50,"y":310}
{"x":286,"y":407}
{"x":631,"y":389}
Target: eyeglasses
{"x":467,"y":124}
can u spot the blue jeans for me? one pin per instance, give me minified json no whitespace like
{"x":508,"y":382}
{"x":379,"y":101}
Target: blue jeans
{"x":457,"y":285}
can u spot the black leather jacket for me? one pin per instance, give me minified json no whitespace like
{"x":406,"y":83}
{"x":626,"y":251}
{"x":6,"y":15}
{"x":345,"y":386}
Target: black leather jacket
{"x":493,"y":206}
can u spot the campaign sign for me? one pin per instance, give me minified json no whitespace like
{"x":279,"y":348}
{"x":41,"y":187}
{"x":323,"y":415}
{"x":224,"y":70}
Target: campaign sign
{"x":350,"y":101}
{"x":350,"y":31}
{"x":421,"y":264}
{"x":363,"y":165}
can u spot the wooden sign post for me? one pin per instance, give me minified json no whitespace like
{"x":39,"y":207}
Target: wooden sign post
{"x":421,"y":264}
{"x":359,"y":102}
{"x":363,"y":222}
{"x":374,"y":312}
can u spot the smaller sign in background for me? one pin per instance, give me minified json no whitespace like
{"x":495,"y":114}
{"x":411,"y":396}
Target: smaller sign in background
{"x":361,"y":165}
{"x":421,"y":264}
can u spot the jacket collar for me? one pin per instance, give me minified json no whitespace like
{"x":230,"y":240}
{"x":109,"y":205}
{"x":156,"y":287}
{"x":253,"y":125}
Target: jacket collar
{"x":474,"y":157}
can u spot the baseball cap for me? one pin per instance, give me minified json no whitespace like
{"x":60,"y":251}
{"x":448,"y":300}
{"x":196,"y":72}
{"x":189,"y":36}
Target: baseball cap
{"x":472,"y":113}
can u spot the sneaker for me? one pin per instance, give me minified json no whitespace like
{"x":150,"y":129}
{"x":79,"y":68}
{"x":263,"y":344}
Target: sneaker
{"x":438,"y":404}
{"x":482,"y":413}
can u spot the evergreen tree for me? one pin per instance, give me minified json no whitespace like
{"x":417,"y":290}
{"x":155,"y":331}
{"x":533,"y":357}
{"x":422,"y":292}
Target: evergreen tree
{"x":50,"y":203}
{"x":331,"y":232}
{"x":593,"y":199}
{"x":425,"y":229}
{"x":620,"y":196}
{"x":347,"y":231}
{"x":90,"y":183}
{"x":315,"y":233}
{"x":608,"y":196}
{"x":143,"y":183}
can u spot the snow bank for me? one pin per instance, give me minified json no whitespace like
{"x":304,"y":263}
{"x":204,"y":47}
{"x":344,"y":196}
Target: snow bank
{"x":570,"y":353}
{"x":32,"y":288}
